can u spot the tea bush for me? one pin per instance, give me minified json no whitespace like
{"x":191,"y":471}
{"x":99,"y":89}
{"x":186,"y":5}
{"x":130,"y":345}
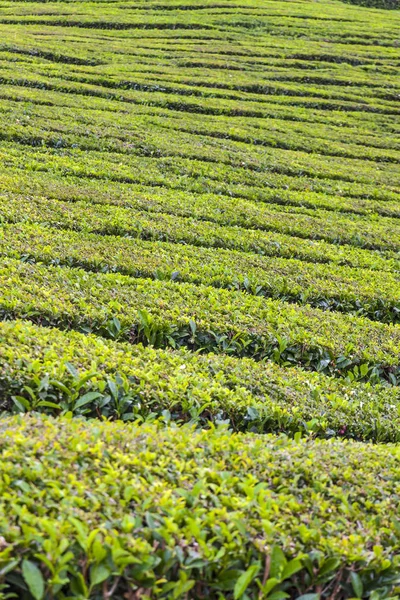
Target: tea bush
{"x":100,"y":510}
{"x":199,"y":300}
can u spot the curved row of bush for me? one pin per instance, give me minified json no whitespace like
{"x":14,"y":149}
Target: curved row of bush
{"x":70,"y":373}
{"x":200,"y":176}
{"x":199,"y":317}
{"x":88,"y":97}
{"x":113,"y":133}
{"x":153,"y":137}
{"x":362,"y":292}
{"x":288,"y":100}
{"x":218,"y":139}
{"x":122,"y":221}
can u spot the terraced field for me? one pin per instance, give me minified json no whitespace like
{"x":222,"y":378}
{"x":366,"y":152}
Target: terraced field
{"x":199,"y":299}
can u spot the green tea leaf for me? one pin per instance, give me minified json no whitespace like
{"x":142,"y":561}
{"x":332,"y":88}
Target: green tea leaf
{"x":329,"y":565}
{"x":71,"y":369}
{"x":86,"y":398}
{"x":98,"y":574}
{"x":278,"y":562}
{"x":357,"y":584}
{"x":291,"y":568}
{"x":244,"y":581}
{"x":33,"y":578}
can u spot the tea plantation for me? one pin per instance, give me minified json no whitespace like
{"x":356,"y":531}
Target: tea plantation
{"x":199,"y":299}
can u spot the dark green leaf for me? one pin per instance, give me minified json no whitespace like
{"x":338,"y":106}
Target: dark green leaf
{"x":33,"y":578}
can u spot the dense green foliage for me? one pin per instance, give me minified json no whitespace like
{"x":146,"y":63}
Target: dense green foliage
{"x":199,"y":299}
{"x":55,"y":372}
{"x":109,"y":508}
{"x":199,"y":317}
{"x":361,"y":291}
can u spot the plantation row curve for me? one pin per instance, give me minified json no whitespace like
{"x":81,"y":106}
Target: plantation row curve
{"x":199,"y":299}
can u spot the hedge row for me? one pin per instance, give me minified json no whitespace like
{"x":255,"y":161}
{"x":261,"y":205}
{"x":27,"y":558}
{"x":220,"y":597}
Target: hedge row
{"x":367,"y":293}
{"x":224,"y":129}
{"x":287,"y":50}
{"x":199,"y":317}
{"x":61,"y":373}
{"x":201,"y":97}
{"x":282,"y":106}
{"x":250,"y":203}
{"x":257,"y":205}
{"x":119,"y":134}
{"x":256,"y":88}
{"x":271,"y":73}
{"x":260,"y":86}
{"x":59,"y":93}
{"x":114,"y":511}
{"x":253,"y":206}
{"x":194,"y":174}
{"x":201,"y":173}
{"x":121,"y":221}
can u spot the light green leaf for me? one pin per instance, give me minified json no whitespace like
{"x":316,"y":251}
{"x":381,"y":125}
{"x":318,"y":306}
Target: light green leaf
{"x":21,"y":403}
{"x":278,"y":562}
{"x":183,"y":587}
{"x":85,"y":378}
{"x":99,"y":551}
{"x":48,"y":404}
{"x":244,"y":581}
{"x":269,"y":585}
{"x":8,"y":567}
{"x":98,"y":574}
{"x":71,"y":369}
{"x":60,"y":386}
{"x":291,"y":568}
